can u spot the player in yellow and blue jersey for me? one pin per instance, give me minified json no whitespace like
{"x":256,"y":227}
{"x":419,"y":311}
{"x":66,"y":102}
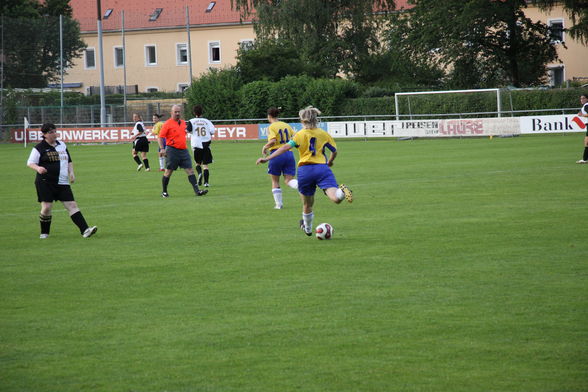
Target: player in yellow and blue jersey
{"x":278,"y":134}
{"x":157,"y":124}
{"x":314,"y":167}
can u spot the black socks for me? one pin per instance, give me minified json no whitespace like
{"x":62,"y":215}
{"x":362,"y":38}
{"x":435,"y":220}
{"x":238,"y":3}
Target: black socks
{"x":164,"y":182}
{"x":45,"y":223}
{"x":80,"y":222}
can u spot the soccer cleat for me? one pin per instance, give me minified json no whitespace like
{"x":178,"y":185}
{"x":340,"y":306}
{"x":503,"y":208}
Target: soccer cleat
{"x":206,"y":184}
{"x":348,"y":193}
{"x":202,"y":192}
{"x":148,"y":169}
{"x":278,"y":207}
{"x":161,"y":169}
{"x":303,"y":229}
{"x":90,"y":231}
{"x":139,"y":167}
{"x":164,"y":194}
{"x":581,"y":161}
{"x":43,"y":236}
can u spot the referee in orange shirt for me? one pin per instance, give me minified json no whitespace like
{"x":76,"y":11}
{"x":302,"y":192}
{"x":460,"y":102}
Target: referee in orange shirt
{"x":176,"y":152}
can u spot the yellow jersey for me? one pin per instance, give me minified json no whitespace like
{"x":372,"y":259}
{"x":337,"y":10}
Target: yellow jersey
{"x":157,"y":128}
{"x":280,"y":131}
{"x":311,"y":144}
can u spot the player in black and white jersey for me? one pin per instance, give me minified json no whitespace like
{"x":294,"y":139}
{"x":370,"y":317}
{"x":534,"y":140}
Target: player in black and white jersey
{"x":140,"y":144}
{"x":583,"y":114}
{"x":201,"y":131}
{"x":52,"y":162}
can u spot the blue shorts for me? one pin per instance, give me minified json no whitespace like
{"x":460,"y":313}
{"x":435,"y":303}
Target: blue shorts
{"x":311,"y":176}
{"x":282,"y":164}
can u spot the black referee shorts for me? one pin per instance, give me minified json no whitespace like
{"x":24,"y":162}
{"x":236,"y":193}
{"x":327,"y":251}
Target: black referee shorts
{"x":48,"y":192}
{"x":176,"y":157}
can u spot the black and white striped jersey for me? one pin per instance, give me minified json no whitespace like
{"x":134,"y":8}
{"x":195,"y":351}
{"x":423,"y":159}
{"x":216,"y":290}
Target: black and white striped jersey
{"x":139,"y":130}
{"x":54,"y":159}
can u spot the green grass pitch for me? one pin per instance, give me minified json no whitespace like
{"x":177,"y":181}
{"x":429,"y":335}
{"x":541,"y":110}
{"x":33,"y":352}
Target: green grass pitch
{"x":462,"y":265}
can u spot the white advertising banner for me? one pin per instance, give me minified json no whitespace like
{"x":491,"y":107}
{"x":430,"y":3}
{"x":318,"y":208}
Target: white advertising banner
{"x":361,"y":128}
{"x":426,"y":128}
{"x":551,"y":124}
{"x":496,"y":126}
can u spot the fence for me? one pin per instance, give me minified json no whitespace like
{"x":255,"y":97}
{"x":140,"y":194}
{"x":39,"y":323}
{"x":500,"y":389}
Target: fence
{"x":150,"y":108}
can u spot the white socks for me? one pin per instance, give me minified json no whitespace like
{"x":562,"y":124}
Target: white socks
{"x":277,"y":192}
{"x":307,"y":219}
{"x":340,"y":194}
{"x":161,"y":163}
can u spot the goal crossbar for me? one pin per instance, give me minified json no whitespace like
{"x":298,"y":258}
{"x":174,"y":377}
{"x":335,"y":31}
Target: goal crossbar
{"x":480,"y":90}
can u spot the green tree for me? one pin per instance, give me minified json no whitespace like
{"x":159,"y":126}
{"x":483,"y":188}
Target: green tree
{"x":31,"y":41}
{"x":270,"y":60}
{"x":332,"y":36}
{"x":218,"y":92}
{"x":481,"y":43}
{"x":578,"y":12}
{"x":394,"y":67}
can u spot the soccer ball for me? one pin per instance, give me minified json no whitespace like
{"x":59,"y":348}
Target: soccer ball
{"x":324,"y":231}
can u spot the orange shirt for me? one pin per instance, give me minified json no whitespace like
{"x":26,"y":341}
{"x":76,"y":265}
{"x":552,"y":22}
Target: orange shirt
{"x":174,"y":133}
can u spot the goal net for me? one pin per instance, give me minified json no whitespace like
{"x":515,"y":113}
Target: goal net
{"x":448,"y":103}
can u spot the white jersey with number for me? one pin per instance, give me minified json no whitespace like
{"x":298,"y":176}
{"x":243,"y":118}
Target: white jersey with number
{"x":202,"y":131}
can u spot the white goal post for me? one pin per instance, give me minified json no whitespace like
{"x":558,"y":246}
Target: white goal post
{"x":480,"y":90}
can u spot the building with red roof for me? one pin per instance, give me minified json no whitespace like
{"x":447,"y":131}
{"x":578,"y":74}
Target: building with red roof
{"x":155,"y":42}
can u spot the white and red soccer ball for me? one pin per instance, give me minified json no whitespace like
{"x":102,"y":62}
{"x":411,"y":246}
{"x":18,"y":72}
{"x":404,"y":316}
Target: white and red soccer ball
{"x":324,"y":231}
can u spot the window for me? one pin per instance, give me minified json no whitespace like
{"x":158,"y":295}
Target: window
{"x":107,"y":13}
{"x":556,"y":76}
{"x":153,"y":17}
{"x":119,"y":57}
{"x":246,"y":44}
{"x":152,"y":89}
{"x":181,"y":54}
{"x":214,"y":55}
{"x":150,"y":55}
{"x":210,"y":6}
{"x":182,"y":87}
{"x":90,"y":56}
{"x":556,"y":30}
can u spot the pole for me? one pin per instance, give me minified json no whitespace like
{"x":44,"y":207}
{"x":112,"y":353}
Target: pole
{"x":498,"y":103}
{"x":26,"y":130}
{"x":189,"y":45}
{"x":124,"y":67}
{"x":2,"y":71}
{"x":61,"y":66}
{"x":101,"y":60}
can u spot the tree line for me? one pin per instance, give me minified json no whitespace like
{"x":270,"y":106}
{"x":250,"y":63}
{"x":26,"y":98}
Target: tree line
{"x":449,"y":43}
{"x":431,"y":44}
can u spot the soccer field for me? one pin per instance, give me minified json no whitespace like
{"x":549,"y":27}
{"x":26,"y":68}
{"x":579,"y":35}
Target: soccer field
{"x":461,"y":265}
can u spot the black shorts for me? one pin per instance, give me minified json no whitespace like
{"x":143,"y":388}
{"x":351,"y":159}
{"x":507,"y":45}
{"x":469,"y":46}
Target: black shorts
{"x":176,"y":157}
{"x":48,"y":192}
{"x":203,"y":155}
{"x":141,"y":144}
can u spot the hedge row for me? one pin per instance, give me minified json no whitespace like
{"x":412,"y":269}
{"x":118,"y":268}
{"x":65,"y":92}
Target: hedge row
{"x":224,"y":97}
{"x":511,"y":100}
